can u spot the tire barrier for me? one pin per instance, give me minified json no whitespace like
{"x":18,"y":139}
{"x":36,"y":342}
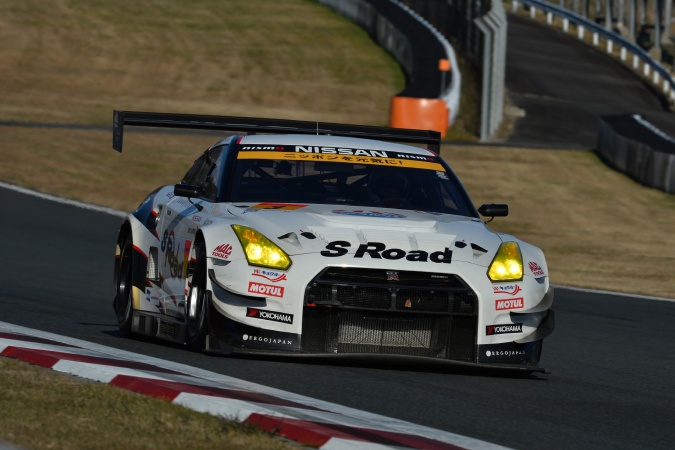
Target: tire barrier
{"x":631,"y":145}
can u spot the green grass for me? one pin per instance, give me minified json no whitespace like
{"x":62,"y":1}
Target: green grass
{"x":41,"y":409}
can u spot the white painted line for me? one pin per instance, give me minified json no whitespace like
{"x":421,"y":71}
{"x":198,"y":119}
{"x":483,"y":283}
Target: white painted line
{"x":65,"y":201}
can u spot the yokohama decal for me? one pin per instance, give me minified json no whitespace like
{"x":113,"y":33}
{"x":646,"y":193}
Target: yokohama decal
{"x":509,"y":303}
{"x":269,"y":315}
{"x":503,"y":329}
{"x":265,"y":289}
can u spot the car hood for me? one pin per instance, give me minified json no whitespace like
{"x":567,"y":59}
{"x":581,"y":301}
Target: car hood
{"x":300,"y":229}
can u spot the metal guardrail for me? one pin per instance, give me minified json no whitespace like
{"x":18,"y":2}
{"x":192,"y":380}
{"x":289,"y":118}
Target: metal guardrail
{"x":652,"y":70}
{"x":478,"y":28}
{"x":452,"y":92}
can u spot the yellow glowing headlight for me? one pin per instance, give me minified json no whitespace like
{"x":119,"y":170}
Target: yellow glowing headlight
{"x":259,"y":250}
{"x":507,"y":264}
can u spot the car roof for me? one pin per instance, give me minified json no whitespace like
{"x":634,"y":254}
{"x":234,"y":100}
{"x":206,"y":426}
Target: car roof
{"x":332,"y":142}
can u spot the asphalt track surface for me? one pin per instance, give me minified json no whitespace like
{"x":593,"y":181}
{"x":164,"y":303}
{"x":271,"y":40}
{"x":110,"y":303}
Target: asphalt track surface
{"x":610,"y":358}
{"x":564,"y":86}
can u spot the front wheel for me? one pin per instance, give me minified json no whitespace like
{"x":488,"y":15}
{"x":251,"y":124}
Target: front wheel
{"x":197,"y":303}
{"x":123,"y":303}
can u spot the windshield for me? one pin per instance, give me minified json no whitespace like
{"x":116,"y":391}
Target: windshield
{"x":274,"y":176}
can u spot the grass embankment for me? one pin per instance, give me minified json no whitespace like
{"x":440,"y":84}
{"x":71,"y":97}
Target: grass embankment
{"x":41,"y":409}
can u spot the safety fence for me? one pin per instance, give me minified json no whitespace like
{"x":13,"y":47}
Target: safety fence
{"x":629,"y":53}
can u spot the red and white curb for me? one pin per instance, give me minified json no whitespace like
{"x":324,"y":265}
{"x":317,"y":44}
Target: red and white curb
{"x":303,"y":419}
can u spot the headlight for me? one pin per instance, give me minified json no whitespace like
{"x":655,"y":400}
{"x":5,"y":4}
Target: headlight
{"x":259,"y":250}
{"x":507,"y":264}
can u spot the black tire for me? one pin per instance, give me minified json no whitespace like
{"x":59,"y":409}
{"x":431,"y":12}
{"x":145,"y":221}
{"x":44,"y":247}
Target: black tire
{"x":197,"y":303}
{"x":123,"y":302}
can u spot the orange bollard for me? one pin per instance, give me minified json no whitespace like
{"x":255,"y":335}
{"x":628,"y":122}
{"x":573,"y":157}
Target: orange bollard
{"x":420,"y":114}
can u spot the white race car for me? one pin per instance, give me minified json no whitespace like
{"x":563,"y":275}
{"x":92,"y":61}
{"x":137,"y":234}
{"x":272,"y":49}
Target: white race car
{"x":304,"y":238}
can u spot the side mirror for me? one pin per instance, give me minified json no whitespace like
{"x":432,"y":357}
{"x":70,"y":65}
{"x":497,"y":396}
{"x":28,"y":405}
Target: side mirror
{"x":188,"y":190}
{"x":494,"y":210}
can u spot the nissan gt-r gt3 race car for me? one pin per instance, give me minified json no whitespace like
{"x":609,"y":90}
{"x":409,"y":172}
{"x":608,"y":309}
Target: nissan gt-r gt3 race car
{"x":304,"y":238}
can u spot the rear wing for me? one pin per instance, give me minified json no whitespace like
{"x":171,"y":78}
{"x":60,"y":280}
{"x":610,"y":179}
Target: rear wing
{"x":252,"y":125}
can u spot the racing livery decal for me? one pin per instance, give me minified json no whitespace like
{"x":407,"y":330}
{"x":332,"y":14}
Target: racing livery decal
{"x":274,"y":207}
{"x":172,"y":260}
{"x":269,"y":315}
{"x":269,"y":275}
{"x":269,"y":340}
{"x":537,"y":271}
{"x":503,"y":329}
{"x":222,"y":251}
{"x":330,"y":154}
{"x":509,"y":303}
{"x":378,"y":250}
{"x":265,"y":289}
{"x":511,"y":289}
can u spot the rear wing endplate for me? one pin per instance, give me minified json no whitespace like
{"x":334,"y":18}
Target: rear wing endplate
{"x":252,"y":125}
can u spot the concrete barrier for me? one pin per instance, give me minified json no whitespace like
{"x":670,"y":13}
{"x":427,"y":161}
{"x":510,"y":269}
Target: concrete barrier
{"x":632,"y":145}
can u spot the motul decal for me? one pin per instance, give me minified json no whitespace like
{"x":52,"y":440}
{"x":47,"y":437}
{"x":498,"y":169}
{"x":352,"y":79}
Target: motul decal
{"x":537,"y":271}
{"x":503,"y":329}
{"x":222,"y":251}
{"x":509,"y":303}
{"x":269,"y":315}
{"x":265,"y":289}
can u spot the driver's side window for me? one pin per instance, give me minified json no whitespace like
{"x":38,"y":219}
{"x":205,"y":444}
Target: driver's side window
{"x":192,"y":175}
{"x":205,"y":173}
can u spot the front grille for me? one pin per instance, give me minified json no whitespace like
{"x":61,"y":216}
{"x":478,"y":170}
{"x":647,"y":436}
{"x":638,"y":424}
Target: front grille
{"x":401,"y":313}
{"x":379,"y":276}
